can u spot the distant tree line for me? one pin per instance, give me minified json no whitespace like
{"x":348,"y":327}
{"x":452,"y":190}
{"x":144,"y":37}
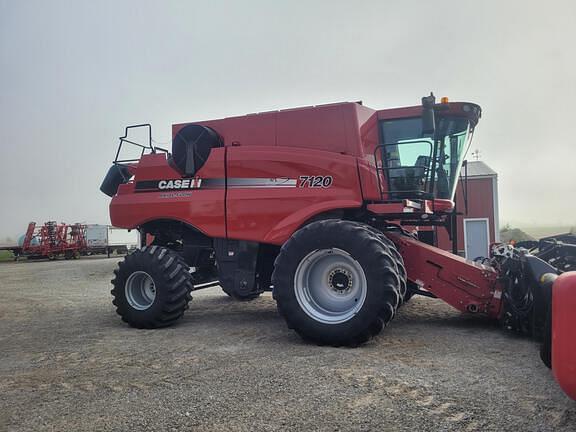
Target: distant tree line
{"x":508,"y":233}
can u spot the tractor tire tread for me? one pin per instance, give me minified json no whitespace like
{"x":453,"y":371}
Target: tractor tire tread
{"x":172,"y":295}
{"x":380,"y":269}
{"x":399,"y":262}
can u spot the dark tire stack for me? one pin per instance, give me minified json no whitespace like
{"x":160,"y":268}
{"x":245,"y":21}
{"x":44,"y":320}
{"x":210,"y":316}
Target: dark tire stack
{"x":172,"y":284}
{"x":383,"y":288}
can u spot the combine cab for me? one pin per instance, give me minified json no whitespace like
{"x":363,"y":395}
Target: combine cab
{"x":314,"y":204}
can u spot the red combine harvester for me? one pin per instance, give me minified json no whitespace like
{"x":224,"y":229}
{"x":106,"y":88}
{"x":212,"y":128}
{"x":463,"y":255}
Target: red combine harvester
{"x":314,"y":204}
{"x":52,"y":240}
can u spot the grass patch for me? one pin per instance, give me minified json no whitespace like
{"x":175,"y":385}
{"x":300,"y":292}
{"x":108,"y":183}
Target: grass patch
{"x":6,"y":255}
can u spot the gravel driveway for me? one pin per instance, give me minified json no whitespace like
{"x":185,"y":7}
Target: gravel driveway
{"x":68,"y":363}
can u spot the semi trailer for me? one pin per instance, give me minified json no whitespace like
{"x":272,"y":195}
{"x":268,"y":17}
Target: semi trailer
{"x":106,"y":239}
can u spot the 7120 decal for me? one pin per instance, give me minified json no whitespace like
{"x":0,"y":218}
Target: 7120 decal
{"x":315,"y":181}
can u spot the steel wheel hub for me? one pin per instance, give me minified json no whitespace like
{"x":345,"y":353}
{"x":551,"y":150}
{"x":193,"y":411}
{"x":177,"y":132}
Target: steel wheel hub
{"x":140,"y":290}
{"x":340,"y":280}
{"x":330,"y":286}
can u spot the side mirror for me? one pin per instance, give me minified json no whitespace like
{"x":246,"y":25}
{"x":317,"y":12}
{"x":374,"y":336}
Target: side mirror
{"x":428,"y":121}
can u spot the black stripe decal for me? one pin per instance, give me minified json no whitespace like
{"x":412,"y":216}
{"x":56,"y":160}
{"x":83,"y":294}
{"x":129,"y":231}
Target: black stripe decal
{"x":191,"y":183}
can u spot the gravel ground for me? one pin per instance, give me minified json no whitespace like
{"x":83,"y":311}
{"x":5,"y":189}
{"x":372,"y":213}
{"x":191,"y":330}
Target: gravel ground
{"x":67,"y":362}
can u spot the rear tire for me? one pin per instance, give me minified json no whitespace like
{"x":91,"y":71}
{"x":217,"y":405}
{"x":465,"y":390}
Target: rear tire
{"x":151,"y":288}
{"x":336,"y":283}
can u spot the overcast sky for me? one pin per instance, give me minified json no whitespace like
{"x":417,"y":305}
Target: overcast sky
{"x":74,"y":73}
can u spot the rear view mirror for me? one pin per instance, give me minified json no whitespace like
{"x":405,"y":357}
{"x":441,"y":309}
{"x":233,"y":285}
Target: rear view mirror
{"x":428,"y":121}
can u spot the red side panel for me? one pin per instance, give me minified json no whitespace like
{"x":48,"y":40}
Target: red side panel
{"x":272,"y":191}
{"x":202,"y":208}
{"x":333,"y":127}
{"x":369,"y":179}
{"x":367,"y":127}
{"x":563,"y":330}
{"x":322,"y":128}
{"x":255,"y":129}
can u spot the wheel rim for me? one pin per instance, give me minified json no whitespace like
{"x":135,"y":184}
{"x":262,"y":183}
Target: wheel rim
{"x":140,"y":290}
{"x":330,"y":286}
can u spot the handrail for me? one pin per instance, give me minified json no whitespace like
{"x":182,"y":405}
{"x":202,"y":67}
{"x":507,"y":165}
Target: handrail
{"x":123,"y":139}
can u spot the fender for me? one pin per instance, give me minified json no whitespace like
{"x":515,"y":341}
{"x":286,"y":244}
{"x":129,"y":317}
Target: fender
{"x":563,"y":327}
{"x":287,"y":226}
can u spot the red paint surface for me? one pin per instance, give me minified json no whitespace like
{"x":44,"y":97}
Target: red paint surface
{"x":459,"y":282}
{"x":480,"y":205}
{"x":271,"y":215}
{"x":563,"y":327}
{"x":204,"y":209}
{"x":337,"y":140}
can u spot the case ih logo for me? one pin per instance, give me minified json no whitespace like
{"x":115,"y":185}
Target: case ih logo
{"x":168,"y":184}
{"x":191,"y":183}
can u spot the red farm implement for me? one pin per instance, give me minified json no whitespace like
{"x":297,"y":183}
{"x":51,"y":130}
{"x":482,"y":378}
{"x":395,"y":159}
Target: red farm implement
{"x":52,"y":240}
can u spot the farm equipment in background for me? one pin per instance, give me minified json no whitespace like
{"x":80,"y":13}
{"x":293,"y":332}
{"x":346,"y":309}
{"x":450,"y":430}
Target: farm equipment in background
{"x":104,"y":239}
{"x":313,"y":204}
{"x":70,"y":241}
{"x":559,"y":250}
{"x":52,"y":240}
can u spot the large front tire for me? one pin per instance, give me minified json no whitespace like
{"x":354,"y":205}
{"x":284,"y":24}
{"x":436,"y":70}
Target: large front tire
{"x":336,"y":283}
{"x":151,"y":288}
{"x":404,"y":294}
